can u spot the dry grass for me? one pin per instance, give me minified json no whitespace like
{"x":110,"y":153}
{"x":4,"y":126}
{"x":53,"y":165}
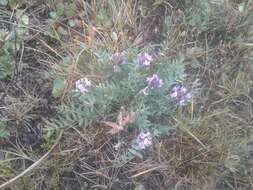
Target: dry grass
{"x":212,"y":146}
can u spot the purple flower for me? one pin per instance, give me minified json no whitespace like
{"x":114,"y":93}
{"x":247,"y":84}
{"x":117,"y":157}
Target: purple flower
{"x":118,"y":58}
{"x":144,"y":140}
{"x":144,"y":59}
{"x":154,"y":81}
{"x":82,"y":85}
{"x":180,"y":95}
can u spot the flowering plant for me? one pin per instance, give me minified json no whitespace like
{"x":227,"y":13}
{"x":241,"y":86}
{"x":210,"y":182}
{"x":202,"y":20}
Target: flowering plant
{"x":144,"y":59}
{"x":83,"y":85}
{"x":143,"y":141}
{"x":137,"y":86}
{"x":180,"y":95}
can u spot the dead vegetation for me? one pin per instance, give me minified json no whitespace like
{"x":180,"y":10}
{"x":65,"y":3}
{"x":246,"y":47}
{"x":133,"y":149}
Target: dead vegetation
{"x":211,"y":147}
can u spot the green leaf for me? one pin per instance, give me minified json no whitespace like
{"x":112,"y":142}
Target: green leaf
{"x":71,"y":23}
{"x":114,"y":36}
{"x":135,"y":152}
{"x":5,"y":66}
{"x":25,"y":19}
{"x":251,"y":64}
{"x":3,"y":130}
{"x":3,"y":2}
{"x":12,"y":3}
{"x":71,"y":11}
{"x":139,"y":187}
{"x":62,"y":30}
{"x":123,"y":159}
{"x":241,"y":7}
{"x":53,"y":15}
{"x":163,"y":130}
{"x":21,"y":31}
{"x":58,"y":87}
{"x":60,"y":8}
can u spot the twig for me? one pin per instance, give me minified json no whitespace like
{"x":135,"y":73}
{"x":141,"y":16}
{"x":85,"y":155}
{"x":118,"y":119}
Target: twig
{"x":147,"y":171}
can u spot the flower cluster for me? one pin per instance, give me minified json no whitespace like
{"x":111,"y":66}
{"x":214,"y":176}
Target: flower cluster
{"x":180,"y":95}
{"x":144,"y":59}
{"x":118,"y":58}
{"x":154,"y":81}
{"x":144,"y":140}
{"x":83,"y":85}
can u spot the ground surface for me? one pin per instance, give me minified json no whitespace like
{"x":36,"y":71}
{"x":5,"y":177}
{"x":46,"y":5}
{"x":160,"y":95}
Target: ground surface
{"x":49,"y":140}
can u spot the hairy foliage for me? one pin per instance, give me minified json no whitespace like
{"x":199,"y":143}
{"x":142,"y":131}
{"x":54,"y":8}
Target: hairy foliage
{"x":203,"y":45}
{"x":123,"y":88}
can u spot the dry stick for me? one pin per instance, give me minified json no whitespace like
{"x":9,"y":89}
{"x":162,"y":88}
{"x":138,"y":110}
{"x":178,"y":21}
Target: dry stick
{"x":147,"y":171}
{"x":34,"y":165}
